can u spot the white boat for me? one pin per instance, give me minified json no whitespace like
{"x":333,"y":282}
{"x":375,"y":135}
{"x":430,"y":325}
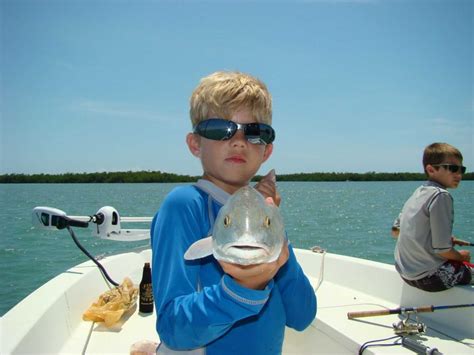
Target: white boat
{"x":50,"y":319}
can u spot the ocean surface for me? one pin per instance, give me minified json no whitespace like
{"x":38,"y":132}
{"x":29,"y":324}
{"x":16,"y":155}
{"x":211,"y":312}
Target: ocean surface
{"x":349,"y":218}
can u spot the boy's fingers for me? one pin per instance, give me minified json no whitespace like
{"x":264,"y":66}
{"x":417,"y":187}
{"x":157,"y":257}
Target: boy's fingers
{"x":269,"y":201}
{"x":268,"y":189}
{"x":265,"y":185}
{"x":258,"y":274}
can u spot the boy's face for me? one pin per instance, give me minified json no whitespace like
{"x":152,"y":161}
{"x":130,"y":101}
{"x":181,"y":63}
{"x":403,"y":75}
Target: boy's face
{"x":230,"y":164}
{"x":442,"y":175}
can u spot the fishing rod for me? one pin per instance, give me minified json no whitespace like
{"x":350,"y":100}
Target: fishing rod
{"x":465,"y":244}
{"x":462,"y":243}
{"x":404,"y":310}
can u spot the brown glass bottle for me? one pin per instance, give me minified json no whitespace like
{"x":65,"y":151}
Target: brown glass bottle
{"x":146,"y":292}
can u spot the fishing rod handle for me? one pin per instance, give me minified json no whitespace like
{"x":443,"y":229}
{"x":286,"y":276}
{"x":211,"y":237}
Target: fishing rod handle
{"x":361,"y":314}
{"x":386,"y":312}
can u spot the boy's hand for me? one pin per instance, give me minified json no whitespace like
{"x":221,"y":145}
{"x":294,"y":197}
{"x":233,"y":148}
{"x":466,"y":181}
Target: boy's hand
{"x":459,"y":255}
{"x":395,"y":232}
{"x":256,"y":276}
{"x":466,"y":255}
{"x":267,"y":187}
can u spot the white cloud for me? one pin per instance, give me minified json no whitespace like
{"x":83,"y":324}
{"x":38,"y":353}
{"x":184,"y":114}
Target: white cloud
{"x":115,"y":110}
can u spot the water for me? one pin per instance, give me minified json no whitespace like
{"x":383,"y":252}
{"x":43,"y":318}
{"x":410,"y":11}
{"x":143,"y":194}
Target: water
{"x":349,"y":218}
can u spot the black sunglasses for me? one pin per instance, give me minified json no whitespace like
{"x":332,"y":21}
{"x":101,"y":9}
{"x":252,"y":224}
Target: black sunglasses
{"x":453,"y":167}
{"x":219,"y":129}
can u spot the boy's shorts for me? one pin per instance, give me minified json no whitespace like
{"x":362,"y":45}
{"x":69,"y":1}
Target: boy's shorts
{"x":450,"y":274}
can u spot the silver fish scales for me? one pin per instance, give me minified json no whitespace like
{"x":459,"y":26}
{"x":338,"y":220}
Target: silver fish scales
{"x":247,"y":231}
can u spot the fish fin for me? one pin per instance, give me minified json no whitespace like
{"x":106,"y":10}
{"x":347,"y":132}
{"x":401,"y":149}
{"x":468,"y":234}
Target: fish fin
{"x":199,"y":249}
{"x":271,"y":176}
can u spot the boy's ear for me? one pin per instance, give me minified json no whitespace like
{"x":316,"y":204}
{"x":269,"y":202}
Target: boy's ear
{"x":268,"y":152}
{"x":430,"y":169}
{"x":194,"y":145}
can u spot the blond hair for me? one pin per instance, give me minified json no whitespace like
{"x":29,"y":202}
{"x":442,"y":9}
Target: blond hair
{"x":223,"y":93}
{"x":437,"y":153}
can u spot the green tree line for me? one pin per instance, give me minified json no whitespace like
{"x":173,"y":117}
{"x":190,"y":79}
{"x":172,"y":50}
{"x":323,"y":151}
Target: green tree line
{"x":369,"y":176}
{"x":103,"y":177}
{"x":160,"y":177}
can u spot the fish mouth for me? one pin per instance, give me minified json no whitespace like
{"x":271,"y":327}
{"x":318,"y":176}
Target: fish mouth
{"x":248,"y":246}
{"x":245,"y":253}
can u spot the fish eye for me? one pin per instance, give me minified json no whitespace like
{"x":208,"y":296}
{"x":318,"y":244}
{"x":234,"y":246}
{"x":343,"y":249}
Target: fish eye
{"x":227,"y":221}
{"x":266,"y":222}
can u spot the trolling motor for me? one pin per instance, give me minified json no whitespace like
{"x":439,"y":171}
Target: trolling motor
{"x":107,"y":220}
{"x":52,"y":218}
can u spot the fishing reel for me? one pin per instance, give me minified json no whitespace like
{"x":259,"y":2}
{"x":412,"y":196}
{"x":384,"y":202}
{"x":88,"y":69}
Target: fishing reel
{"x":409,"y":326}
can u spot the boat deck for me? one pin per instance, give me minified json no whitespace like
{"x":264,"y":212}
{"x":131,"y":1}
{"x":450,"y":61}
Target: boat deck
{"x":330,"y":333}
{"x":362,"y":293}
{"x":336,"y":301}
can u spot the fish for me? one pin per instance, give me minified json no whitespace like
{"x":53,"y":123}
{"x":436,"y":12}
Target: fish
{"x":246,"y":231}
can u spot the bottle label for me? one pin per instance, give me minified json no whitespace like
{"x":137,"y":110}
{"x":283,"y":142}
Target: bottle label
{"x":147,"y":294}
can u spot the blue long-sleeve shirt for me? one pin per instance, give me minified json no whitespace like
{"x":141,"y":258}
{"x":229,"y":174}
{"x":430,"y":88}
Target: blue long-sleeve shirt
{"x":198,"y":305}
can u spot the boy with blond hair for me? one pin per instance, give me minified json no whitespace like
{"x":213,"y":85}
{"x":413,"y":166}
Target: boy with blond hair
{"x":210,"y":306}
{"x":424,"y":255}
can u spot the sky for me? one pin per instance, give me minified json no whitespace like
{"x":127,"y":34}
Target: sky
{"x":357,"y":86}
